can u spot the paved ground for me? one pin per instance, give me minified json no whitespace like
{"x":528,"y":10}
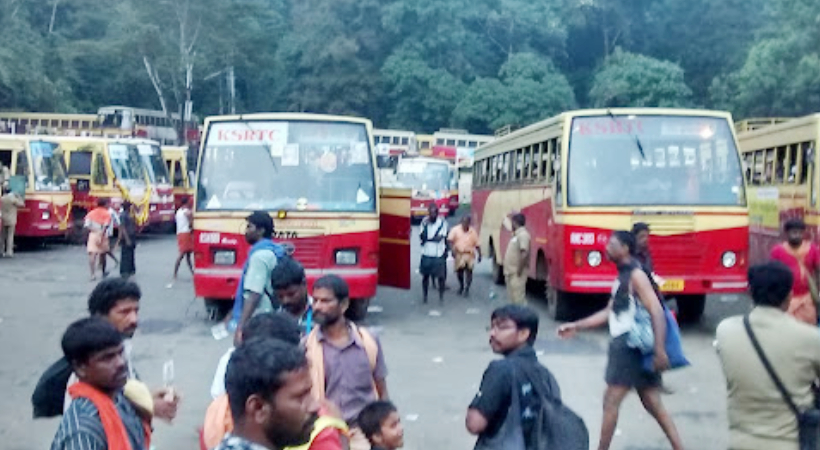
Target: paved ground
{"x":435,"y":354}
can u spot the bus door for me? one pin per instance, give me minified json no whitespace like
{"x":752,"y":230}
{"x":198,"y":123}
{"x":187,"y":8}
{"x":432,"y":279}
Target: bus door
{"x":394,"y":238}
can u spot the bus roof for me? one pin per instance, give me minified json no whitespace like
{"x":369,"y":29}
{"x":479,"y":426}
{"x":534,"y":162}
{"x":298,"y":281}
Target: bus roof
{"x":569,"y":115}
{"x":426,"y":160}
{"x":289,"y":116}
{"x":802,"y":129}
{"x":37,"y":115}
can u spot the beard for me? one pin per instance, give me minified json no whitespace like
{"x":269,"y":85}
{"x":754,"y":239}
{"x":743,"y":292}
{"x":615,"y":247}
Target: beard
{"x":278,"y":435}
{"x":324,"y":319}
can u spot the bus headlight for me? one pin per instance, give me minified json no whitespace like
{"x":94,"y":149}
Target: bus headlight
{"x":224,"y":257}
{"x":729,"y":259}
{"x":594,"y":258}
{"x":46,"y":215}
{"x":347,"y":257}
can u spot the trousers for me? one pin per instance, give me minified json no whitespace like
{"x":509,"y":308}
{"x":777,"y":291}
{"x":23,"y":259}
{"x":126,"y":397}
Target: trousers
{"x":517,"y":288}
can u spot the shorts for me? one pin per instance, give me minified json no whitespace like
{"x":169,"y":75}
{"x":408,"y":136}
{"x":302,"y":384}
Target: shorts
{"x":625,"y":367}
{"x":465,"y":261}
{"x":433,"y":266}
{"x":185,"y":242}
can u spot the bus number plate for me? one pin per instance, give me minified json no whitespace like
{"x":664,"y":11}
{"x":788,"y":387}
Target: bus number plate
{"x":672,"y":286}
{"x":285,"y":235}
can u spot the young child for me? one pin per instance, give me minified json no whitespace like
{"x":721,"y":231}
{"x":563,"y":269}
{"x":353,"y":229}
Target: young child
{"x":381,"y":424}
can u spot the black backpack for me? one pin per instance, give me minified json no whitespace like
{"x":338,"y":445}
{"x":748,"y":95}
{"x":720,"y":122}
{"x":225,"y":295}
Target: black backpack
{"x":557,"y":427}
{"x":48,"y":398}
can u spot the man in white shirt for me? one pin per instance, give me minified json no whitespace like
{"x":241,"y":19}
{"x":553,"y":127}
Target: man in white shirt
{"x":433,"y":236}
{"x":185,"y":237}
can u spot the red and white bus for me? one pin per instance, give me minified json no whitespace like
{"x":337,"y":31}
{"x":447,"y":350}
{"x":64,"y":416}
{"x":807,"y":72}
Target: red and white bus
{"x":35,"y":162}
{"x":432,"y":180}
{"x":316,"y":175}
{"x":582,"y":174}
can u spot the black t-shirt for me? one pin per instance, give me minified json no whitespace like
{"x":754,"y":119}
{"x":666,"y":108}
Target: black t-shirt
{"x":495,"y":393}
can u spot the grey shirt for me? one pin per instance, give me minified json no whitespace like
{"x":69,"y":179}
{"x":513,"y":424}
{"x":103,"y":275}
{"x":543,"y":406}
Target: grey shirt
{"x":348,"y":377}
{"x":81,"y":428}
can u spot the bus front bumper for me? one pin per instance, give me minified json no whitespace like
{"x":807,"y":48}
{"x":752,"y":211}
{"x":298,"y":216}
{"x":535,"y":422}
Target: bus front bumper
{"x":221,"y":283}
{"x":681,"y":285}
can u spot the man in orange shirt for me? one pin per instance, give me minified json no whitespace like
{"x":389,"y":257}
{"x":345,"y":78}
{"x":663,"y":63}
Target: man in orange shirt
{"x":96,"y":222}
{"x":464,"y":242}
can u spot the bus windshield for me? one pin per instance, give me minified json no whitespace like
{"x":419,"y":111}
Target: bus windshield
{"x":151,"y":157}
{"x":49,"y":174}
{"x":287,"y":165}
{"x":125,"y":162}
{"x":424,"y":176}
{"x":653,"y":160}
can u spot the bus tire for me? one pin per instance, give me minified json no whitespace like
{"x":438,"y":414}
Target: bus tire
{"x":690,"y":307}
{"x":217,"y":309}
{"x":76,"y":227}
{"x":559,"y":305}
{"x":358,"y":309}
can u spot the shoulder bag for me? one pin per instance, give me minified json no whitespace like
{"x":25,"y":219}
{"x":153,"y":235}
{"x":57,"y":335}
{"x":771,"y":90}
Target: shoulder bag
{"x":808,"y":421}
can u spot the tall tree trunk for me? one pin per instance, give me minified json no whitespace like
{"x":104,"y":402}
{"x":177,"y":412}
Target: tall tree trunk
{"x":154,"y":76}
{"x":53,"y":17}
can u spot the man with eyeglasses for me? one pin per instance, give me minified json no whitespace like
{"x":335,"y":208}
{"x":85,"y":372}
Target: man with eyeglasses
{"x":513,"y":329}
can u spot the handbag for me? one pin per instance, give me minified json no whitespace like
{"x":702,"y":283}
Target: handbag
{"x":641,"y":336}
{"x":673,"y":346}
{"x":808,"y":421}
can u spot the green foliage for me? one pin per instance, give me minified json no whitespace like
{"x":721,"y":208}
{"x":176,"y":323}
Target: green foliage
{"x":418,"y":65}
{"x":626,"y":79}
{"x":528,"y":88}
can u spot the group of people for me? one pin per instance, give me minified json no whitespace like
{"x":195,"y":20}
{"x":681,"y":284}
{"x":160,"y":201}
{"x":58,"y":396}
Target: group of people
{"x":438,"y":242}
{"x":100,"y":224}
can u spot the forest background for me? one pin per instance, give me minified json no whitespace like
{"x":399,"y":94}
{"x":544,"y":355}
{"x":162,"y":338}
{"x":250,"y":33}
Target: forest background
{"x":412,"y":64}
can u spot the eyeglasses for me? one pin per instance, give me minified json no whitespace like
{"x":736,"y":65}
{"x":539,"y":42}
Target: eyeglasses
{"x":501,"y":327}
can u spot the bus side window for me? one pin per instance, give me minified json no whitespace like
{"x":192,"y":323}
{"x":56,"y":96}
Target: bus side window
{"x":519,"y":165}
{"x":22,"y":164}
{"x":556,"y":172}
{"x":179,"y":180}
{"x":793,"y":174}
{"x":780,"y":165}
{"x":747,"y":166}
{"x":546,"y":149}
{"x":100,"y":176}
{"x":805,"y":154}
{"x":757,"y":167}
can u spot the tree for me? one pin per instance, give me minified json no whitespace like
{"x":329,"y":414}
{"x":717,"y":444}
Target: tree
{"x":528,"y":89}
{"x":627,"y":79}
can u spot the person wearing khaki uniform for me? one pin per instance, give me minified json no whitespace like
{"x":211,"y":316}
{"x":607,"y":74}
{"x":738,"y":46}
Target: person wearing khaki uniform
{"x":8,"y":209}
{"x":517,"y":260}
{"x":759,"y":418}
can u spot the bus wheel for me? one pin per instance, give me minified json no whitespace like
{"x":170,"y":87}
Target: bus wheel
{"x":690,"y":307}
{"x":559,"y":305}
{"x":358,"y":309}
{"x":217,"y":309}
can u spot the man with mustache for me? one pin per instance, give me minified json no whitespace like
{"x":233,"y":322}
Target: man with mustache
{"x":269,"y":390}
{"x":347,"y":362}
{"x":99,"y":417}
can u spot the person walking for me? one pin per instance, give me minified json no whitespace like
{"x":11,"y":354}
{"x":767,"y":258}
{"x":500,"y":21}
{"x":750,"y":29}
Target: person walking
{"x":631,"y":291}
{"x":254,"y":292}
{"x":759,"y":417}
{"x":433,"y":264}
{"x":347,"y":361}
{"x":803,"y":258}
{"x":127,"y":241}
{"x":464,"y":242}
{"x":99,"y":416}
{"x":185,"y":237}
{"x":109,"y":231}
{"x":9,"y":202}
{"x":513,"y":330}
{"x":97,"y":222}
{"x":517,"y":259}
{"x":269,"y":390}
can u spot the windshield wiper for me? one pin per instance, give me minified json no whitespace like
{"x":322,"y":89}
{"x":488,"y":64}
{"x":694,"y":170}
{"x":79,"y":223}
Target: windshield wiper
{"x":267,"y":147}
{"x":637,"y":140}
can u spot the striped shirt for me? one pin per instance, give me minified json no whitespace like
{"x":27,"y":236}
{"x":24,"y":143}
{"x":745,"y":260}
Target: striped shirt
{"x":238,"y":443}
{"x":81,"y":428}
